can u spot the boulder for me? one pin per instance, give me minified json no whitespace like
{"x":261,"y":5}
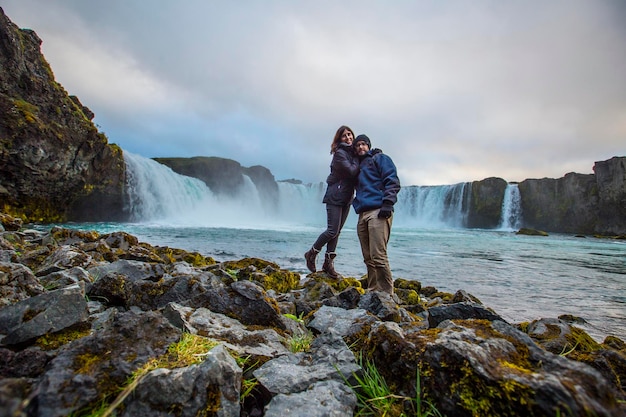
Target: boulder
{"x":17,"y":283}
{"x":346,"y":323}
{"x":328,"y":359}
{"x":381,"y":305}
{"x":264,"y":343}
{"x":321,"y":399}
{"x":43,"y":314}
{"x":243,"y":300}
{"x":97,"y":366}
{"x":460,"y":311}
{"x":209,"y":388}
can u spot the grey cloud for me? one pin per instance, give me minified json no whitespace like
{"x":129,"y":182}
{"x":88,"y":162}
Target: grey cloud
{"x":453,"y":91}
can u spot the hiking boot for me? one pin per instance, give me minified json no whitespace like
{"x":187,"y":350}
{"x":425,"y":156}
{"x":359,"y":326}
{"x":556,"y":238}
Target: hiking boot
{"x":329,"y":266}
{"x":310,"y":258}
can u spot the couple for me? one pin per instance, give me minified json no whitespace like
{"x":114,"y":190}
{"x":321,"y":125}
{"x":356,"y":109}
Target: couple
{"x":355,"y":165}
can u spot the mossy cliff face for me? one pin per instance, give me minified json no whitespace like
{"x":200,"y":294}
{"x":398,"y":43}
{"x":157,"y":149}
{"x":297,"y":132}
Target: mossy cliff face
{"x":567,"y":204}
{"x":611,"y":180}
{"x":54,"y":164}
{"x":575,"y":203}
{"x":486,"y":203}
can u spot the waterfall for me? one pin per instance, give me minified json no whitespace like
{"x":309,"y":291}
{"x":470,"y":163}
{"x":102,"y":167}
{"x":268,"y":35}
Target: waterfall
{"x":511,"y":218}
{"x":302,"y":203}
{"x":156,"y":194}
{"x":432,"y":206}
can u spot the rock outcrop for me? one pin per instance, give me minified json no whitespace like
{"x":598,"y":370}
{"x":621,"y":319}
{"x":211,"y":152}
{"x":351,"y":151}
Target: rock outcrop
{"x":54,"y":164}
{"x":485,"y":203}
{"x":568,"y":204}
{"x":578,"y":203}
{"x":125,"y":328}
{"x":611,"y":182}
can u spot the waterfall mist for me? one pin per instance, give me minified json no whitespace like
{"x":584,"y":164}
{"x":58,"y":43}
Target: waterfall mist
{"x":511,"y":208}
{"x":158,"y":195}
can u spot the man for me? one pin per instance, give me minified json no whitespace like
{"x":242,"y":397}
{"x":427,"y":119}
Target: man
{"x":376,"y":193}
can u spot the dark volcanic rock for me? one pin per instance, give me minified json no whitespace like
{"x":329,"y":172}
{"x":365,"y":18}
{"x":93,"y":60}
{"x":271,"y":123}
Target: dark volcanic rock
{"x":486,"y":203}
{"x":146,"y":342}
{"x":611,"y":180}
{"x":45,"y":313}
{"x":567,"y":204}
{"x":54,"y":164}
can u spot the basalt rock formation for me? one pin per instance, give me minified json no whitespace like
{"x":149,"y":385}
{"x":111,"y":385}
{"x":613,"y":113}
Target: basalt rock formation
{"x":611,"y":181}
{"x":485,"y":205}
{"x":54,"y":164}
{"x":92,"y":322}
{"x":578,"y":203}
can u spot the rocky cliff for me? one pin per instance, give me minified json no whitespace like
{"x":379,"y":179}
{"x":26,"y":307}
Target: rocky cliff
{"x":54,"y":164}
{"x":485,"y":203}
{"x":578,"y":203}
{"x":611,"y":182}
{"x":568,"y":204}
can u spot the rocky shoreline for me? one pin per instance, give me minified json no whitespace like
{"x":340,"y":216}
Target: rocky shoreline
{"x":102,"y":325}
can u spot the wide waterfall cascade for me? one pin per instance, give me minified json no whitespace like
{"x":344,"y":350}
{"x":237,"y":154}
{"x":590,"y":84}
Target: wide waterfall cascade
{"x":511,"y":218}
{"x":433,"y":206}
{"x":302,"y":202}
{"x":156,"y":194}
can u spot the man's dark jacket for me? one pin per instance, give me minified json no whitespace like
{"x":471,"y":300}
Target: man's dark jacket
{"x":377,"y":183}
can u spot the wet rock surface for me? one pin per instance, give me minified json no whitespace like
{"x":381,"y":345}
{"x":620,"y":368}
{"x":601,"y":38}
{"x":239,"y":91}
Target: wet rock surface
{"x":85,"y":323}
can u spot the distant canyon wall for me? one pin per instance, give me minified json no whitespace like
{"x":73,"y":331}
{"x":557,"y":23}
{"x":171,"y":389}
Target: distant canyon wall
{"x":576,"y":203}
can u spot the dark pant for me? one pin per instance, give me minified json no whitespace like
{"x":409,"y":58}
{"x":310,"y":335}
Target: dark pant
{"x":336,"y":217}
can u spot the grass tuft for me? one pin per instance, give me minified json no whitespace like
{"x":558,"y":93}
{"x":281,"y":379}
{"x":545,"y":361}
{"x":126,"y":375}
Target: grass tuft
{"x":374,"y":398}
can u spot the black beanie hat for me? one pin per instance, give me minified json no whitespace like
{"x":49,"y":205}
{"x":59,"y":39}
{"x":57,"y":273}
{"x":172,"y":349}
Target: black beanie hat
{"x":362,"y":138}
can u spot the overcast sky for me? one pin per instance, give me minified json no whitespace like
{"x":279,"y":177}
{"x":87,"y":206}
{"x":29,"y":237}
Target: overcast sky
{"x":453,"y":91}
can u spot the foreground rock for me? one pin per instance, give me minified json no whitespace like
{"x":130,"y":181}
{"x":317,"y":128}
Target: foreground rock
{"x":93,"y":321}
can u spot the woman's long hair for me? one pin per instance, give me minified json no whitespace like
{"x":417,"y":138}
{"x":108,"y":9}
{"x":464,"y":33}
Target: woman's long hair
{"x":337,"y":138}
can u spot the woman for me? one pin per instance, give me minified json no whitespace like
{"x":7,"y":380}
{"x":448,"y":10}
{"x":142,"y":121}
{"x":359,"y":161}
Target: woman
{"x":344,"y":169}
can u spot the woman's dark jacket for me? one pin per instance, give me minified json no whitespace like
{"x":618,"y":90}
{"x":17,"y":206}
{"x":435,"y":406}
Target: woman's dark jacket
{"x":344,"y":169}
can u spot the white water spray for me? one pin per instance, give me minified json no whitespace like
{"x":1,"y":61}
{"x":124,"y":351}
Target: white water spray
{"x":158,"y":195}
{"x":511,"y":218}
{"x":432,"y":206}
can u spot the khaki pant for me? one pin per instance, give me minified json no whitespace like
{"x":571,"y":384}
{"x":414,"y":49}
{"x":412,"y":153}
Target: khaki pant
{"x":374,"y":235}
